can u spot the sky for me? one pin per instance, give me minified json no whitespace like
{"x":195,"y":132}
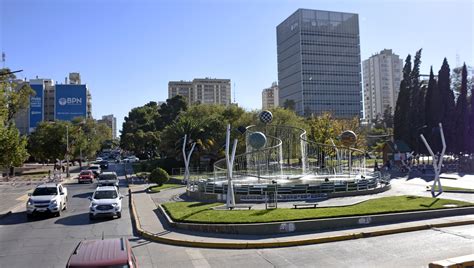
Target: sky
{"x":128,"y":51}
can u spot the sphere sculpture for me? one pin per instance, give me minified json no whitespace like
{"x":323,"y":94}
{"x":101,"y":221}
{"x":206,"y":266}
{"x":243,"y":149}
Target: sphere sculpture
{"x":348,"y":138}
{"x":257,"y":140}
{"x":266,"y":117}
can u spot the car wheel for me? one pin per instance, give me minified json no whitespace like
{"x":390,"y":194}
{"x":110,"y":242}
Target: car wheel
{"x":58,"y":214}
{"x":65,"y":204}
{"x":119,"y":215}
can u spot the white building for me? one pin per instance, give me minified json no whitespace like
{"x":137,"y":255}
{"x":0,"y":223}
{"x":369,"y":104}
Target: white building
{"x":202,"y":90}
{"x":270,"y":97}
{"x":382,"y":76}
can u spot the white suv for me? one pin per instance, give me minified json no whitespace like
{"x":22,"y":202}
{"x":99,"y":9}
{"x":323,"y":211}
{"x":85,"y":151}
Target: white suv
{"x":106,"y":201}
{"x":48,"y":197}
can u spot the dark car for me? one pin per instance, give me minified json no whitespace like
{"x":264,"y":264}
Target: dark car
{"x":115,"y":252}
{"x":104,"y":164}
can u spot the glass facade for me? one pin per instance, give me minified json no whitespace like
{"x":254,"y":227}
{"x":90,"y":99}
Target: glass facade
{"x":319,"y":63}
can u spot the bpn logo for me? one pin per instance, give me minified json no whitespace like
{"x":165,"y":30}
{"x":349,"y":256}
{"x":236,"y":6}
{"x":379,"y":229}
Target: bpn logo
{"x":70,"y":101}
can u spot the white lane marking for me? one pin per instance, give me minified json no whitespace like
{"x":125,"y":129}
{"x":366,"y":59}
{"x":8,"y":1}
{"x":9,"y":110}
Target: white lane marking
{"x":197,"y":258}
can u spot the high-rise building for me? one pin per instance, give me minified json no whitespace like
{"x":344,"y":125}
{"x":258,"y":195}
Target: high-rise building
{"x":202,"y":90}
{"x":53,"y":101}
{"x":270,"y":97}
{"x":382,"y":76}
{"x":319,"y":63}
{"x":111,"y":122}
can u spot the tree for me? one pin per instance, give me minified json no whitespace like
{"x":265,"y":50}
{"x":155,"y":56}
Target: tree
{"x":456,"y":78}
{"x":402,"y":108}
{"x":388,"y":117}
{"x":416,"y":114}
{"x":462,"y":115}
{"x":433,"y":112}
{"x":469,"y":139}
{"x":289,"y":104}
{"x":159,"y":176}
{"x":14,"y":96}
{"x":447,"y":106}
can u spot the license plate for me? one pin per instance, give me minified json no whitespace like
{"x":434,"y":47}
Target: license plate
{"x":41,"y":209}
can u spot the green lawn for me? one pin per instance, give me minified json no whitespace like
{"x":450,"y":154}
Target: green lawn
{"x":202,"y":212}
{"x":448,"y":188}
{"x":157,"y":189}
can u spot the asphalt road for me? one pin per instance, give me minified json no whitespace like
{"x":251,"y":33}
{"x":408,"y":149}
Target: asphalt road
{"x":48,"y":242}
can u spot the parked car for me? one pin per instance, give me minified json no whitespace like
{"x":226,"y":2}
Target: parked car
{"x":98,"y":159}
{"x":47,"y":198}
{"x":96,"y":170}
{"x":131,"y":159}
{"x":108,"y":179}
{"x":86,"y":176}
{"x":106,"y":201}
{"x":114,"y":252}
{"x":104,"y":164}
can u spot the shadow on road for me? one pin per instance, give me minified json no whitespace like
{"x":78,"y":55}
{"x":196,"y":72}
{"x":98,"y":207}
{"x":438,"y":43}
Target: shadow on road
{"x":79,"y":219}
{"x":20,"y":217}
{"x":83,"y":195}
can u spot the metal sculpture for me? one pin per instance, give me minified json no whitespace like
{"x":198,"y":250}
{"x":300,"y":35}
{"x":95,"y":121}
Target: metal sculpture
{"x":187,"y":158}
{"x":230,"y":200}
{"x":437,"y":161}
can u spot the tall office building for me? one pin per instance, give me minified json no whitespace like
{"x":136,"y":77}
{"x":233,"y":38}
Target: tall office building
{"x":202,"y":90}
{"x":270,"y":97}
{"x":382,"y":76}
{"x":111,"y":122}
{"x":319,"y":63}
{"x":53,"y":101}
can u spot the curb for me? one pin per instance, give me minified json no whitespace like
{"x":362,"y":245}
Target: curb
{"x":5,"y":214}
{"x":258,"y":245}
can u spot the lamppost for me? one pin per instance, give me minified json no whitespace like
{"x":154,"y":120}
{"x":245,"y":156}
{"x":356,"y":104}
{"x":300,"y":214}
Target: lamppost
{"x":67,"y":152}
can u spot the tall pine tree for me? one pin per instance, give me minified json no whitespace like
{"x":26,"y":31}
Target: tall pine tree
{"x":401,"y":129}
{"x":448,"y":105}
{"x":470,"y":135}
{"x":462,"y":115}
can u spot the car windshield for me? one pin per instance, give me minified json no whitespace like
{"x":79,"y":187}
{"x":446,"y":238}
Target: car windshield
{"x":85,"y":172}
{"x":107,"y":177}
{"x":94,"y":168}
{"x":45,"y":191}
{"x":105,"y":195}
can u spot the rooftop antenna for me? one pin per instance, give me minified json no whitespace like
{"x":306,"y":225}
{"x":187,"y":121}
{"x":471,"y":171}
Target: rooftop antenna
{"x":234,"y":93}
{"x":458,"y":60}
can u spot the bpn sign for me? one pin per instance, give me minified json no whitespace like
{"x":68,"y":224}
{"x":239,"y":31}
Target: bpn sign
{"x":70,"y":101}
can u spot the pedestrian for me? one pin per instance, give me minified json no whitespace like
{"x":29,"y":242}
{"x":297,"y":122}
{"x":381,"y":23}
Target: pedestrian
{"x":63,"y":168}
{"x":376,"y":166}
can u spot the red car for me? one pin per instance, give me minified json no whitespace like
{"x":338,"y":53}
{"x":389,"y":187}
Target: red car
{"x":86,"y":176}
{"x":115,"y":252}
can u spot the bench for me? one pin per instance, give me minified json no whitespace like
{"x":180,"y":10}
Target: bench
{"x":305,"y":205}
{"x":242,"y":206}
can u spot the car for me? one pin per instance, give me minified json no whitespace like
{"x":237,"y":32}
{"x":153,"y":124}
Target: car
{"x":108,"y":179}
{"x":106,"y":201}
{"x":113,"y":252}
{"x":95,"y":169}
{"x":104,"y":164}
{"x":131,"y":159}
{"x":47,"y":198}
{"x":98,"y":159}
{"x":85,"y":176}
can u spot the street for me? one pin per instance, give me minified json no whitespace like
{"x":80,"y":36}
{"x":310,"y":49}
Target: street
{"x":49,"y":241}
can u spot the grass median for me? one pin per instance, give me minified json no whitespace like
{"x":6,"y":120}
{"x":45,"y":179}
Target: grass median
{"x":157,"y":189}
{"x":454,"y":189}
{"x":197,"y":212}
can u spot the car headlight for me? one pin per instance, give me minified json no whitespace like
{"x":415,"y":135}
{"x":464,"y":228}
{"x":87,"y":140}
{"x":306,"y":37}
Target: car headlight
{"x":29,"y":202}
{"x":114,"y":204}
{"x":93,"y":204}
{"x":54,"y":202}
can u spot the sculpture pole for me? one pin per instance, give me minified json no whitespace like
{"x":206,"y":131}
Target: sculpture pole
{"x":437,"y":163}
{"x":187,"y":159}
{"x":230,"y":200}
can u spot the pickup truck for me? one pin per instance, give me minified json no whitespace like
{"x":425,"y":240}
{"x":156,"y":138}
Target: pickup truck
{"x":47,"y":198}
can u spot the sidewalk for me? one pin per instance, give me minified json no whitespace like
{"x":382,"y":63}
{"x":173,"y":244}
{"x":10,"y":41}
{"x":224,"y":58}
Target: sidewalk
{"x":152,"y":225}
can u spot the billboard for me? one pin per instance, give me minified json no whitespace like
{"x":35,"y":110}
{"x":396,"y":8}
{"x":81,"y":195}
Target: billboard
{"x":36,"y":106}
{"x":70,"y":102}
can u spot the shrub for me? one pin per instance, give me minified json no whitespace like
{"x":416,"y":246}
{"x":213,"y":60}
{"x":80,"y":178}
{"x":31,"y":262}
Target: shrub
{"x":144,"y":175}
{"x":159,"y":176}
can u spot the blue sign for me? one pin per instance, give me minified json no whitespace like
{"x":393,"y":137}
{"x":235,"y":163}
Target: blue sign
{"x":36,"y":106}
{"x":71,"y":102}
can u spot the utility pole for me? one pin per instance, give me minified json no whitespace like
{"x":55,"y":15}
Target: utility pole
{"x":67,"y":152}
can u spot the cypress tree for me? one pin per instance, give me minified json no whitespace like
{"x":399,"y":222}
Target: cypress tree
{"x":400,"y":120}
{"x":433,"y":112}
{"x":462,"y":115}
{"x":416,"y":110}
{"x":448,"y":105}
{"x":469,"y":138}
